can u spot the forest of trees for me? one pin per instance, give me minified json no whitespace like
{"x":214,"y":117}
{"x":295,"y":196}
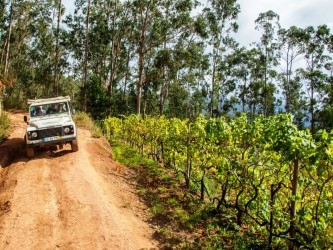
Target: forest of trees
{"x":164,"y":57}
{"x":177,"y":66}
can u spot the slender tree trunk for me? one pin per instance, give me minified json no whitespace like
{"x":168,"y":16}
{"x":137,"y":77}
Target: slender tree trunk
{"x":165,"y":83}
{"x":292,"y":231}
{"x":3,"y":52}
{"x":202,"y":186}
{"x":144,"y":106}
{"x":271,"y":217}
{"x":312,"y":110}
{"x":162,"y":98}
{"x":139,"y":84}
{"x":113,"y":56}
{"x":126,"y":75}
{"x":8,"y":39}
{"x":188,"y":158}
{"x":86,"y":60}
{"x":163,"y":92}
{"x":213,"y":86}
{"x":243,"y":95}
{"x":265,"y":87}
{"x":331,"y":90}
{"x":140,"y":63}
{"x":287,"y":108}
{"x":57,"y":54}
{"x":187,"y":112}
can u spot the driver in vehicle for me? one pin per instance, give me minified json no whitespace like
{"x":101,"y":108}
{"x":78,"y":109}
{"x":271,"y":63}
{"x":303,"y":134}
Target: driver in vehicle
{"x":61,"y":108}
{"x":51,"y":109}
{"x":39,"y":111}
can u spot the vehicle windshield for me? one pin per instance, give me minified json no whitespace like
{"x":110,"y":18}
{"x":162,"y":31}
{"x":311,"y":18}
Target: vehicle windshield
{"x":48,"y":109}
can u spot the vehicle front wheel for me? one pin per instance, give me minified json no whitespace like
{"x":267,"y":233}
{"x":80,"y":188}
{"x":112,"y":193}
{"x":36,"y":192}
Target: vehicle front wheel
{"x":30,"y":152}
{"x":74,"y":145}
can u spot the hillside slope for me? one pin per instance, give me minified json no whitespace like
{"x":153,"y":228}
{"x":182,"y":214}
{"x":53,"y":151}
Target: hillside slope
{"x":66,"y":200}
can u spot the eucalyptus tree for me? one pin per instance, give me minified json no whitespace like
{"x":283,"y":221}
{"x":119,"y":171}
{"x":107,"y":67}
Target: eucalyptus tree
{"x":186,"y":90}
{"x":74,"y":38}
{"x":325,"y":117}
{"x":115,"y":9}
{"x":221,"y":18}
{"x":100,"y":37}
{"x":256,"y":94}
{"x":111,"y":49}
{"x":180,"y":59}
{"x":106,"y":34}
{"x":315,"y":53}
{"x":291,"y":50}
{"x":122,"y":50}
{"x":177,"y":27}
{"x":86,"y":51}
{"x":157,"y":26}
{"x":241,"y":62}
{"x":9,"y":35}
{"x":194,"y":64}
{"x":2,"y":15}
{"x":145,"y":14}
{"x":3,"y":24}
{"x":77,"y":43}
{"x":268,"y":22}
{"x":31,"y":44}
{"x":226,"y":83}
{"x":290,"y":46}
{"x":57,"y":47}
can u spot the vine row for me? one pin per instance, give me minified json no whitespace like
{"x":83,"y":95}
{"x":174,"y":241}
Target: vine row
{"x":265,"y":173}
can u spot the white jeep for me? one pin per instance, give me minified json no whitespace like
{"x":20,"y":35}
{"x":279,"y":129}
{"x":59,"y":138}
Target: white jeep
{"x":50,"y":123}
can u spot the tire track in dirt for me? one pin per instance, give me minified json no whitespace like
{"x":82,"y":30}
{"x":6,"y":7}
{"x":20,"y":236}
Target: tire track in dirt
{"x":65,"y":200}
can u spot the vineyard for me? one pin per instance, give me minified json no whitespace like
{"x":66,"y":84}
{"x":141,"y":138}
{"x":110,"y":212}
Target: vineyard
{"x":265,"y":175}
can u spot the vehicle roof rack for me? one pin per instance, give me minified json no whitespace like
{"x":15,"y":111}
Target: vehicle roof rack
{"x":49,"y":100}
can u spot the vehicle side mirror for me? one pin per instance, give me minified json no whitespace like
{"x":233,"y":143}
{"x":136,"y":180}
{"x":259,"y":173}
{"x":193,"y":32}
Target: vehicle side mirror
{"x":73,"y":111}
{"x":25,"y":118}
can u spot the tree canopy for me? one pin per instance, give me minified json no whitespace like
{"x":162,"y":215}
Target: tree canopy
{"x":163,"y":57}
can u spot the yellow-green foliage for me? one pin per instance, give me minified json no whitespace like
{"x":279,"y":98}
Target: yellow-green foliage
{"x":4,"y":126}
{"x":247,"y":168}
{"x":83,"y":120}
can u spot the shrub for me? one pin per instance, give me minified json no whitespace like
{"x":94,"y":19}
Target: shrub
{"x":4,"y":126}
{"x":83,"y":120}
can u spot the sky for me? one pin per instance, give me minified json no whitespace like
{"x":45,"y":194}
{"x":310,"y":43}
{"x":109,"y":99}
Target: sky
{"x":300,"y":13}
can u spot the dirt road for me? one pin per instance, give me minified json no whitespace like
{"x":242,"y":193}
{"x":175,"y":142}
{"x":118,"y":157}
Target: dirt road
{"x":66,"y":200}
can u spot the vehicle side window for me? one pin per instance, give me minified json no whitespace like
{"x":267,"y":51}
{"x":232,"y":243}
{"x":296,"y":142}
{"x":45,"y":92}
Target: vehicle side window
{"x":39,"y":111}
{"x":32,"y":111}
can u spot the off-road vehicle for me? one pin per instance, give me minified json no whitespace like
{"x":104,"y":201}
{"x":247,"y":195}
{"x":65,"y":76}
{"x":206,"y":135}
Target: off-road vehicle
{"x":50,"y":124}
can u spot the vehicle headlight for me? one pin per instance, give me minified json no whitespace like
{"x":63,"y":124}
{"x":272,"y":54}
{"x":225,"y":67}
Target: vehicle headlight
{"x":32,"y":135}
{"x":69,"y":130}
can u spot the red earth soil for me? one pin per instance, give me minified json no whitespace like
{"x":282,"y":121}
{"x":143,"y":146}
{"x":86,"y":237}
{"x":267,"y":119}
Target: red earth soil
{"x":68,"y":200}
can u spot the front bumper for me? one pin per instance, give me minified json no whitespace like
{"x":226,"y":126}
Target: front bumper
{"x":51,"y":141}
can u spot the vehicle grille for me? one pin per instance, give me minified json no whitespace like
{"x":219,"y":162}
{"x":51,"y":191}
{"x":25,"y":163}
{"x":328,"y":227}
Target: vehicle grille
{"x":50,"y":132}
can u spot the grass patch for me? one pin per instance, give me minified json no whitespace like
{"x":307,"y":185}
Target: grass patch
{"x":163,"y":193}
{"x":83,"y":120}
{"x":4,"y":126}
{"x":183,"y":221}
{"x":129,"y":156}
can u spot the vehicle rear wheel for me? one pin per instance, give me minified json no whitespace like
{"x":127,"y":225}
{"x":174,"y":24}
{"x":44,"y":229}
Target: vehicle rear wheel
{"x":30,"y":152}
{"x":74,"y":145}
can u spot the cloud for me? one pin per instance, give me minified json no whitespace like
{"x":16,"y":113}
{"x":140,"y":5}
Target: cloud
{"x":300,"y":13}
{"x":69,"y":6}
